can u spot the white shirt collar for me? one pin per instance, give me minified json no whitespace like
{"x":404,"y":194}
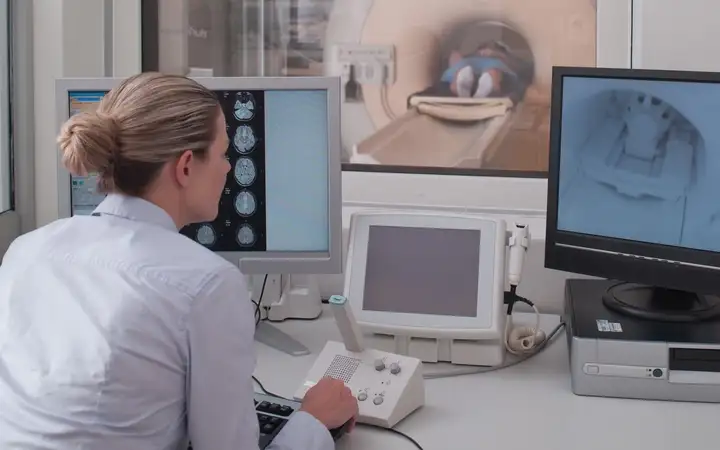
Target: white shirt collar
{"x":136,"y":209}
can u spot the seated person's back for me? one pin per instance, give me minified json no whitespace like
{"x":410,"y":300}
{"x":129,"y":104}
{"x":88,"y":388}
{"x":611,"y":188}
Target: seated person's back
{"x":99,"y":308}
{"x":116,"y":331}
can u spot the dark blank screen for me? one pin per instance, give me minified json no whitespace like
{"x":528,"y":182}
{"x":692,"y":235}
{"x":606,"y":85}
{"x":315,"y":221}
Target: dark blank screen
{"x":422,"y":271}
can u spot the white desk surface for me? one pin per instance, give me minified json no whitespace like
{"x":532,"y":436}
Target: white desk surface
{"x":526,"y":407}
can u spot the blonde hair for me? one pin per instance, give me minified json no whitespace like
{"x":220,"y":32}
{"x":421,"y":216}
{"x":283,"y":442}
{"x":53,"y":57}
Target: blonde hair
{"x":139,"y":126}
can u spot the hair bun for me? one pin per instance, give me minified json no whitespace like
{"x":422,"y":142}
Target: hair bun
{"x":89,"y":143}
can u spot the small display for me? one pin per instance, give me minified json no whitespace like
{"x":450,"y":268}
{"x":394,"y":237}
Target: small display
{"x":84,"y":197}
{"x":205,"y":235}
{"x":246,"y":235}
{"x":422,"y":271}
{"x":241,"y":222}
{"x":245,"y":171}
{"x":244,"y":108}
{"x":245,"y":203}
{"x":244,"y":140}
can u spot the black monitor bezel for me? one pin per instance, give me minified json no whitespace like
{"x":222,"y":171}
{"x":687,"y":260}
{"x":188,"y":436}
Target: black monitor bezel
{"x":653,"y":264}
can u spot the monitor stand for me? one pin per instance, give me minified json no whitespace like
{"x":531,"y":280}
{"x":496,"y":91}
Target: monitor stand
{"x":279,"y":340}
{"x":661,"y":304}
{"x":284,"y":297}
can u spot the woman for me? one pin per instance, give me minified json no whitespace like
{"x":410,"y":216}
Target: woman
{"x":116,"y":331}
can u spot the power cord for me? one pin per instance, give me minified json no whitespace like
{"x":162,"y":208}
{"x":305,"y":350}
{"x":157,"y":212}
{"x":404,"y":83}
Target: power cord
{"x":258,"y":313}
{"x":391,"y":430}
{"x":522,"y":340}
{"x":259,"y":308}
{"x":265,"y":391}
{"x":396,"y":432}
{"x":552,"y":337}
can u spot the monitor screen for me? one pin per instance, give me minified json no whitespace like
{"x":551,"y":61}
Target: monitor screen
{"x":637,"y":161}
{"x":83,"y":193}
{"x":277,"y":196}
{"x":431,"y":271}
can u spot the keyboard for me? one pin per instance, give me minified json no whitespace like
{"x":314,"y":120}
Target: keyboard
{"x":273,"y":413}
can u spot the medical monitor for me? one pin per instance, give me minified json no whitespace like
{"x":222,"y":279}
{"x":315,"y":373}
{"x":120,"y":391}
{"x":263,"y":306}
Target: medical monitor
{"x":426,"y":275}
{"x":280,"y":212}
{"x":634,"y":187}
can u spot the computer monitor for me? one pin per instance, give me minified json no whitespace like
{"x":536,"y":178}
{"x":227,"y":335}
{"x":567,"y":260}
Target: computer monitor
{"x":633,"y":187}
{"x":430,"y":279}
{"x":281,"y":209}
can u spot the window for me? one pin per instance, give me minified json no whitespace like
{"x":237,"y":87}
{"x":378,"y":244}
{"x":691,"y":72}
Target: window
{"x":17,"y":206}
{"x":449,"y":87}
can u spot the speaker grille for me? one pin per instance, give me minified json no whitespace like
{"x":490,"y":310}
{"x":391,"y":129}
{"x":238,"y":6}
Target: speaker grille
{"x":342,"y":368}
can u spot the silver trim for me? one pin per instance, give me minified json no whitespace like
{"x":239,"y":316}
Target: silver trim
{"x":640,"y":257}
{"x":250,"y":263}
{"x":108,"y":34}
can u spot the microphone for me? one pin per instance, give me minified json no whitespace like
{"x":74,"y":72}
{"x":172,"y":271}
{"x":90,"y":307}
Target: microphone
{"x":349,"y":329}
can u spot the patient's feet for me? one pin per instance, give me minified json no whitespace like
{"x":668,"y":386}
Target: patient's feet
{"x":464,"y":82}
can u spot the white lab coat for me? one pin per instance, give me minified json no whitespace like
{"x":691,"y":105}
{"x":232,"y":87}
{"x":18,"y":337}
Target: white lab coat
{"x":117,"y":332}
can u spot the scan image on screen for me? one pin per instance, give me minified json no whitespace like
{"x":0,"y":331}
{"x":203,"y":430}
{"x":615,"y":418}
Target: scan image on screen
{"x":639,"y":160}
{"x":429,"y":271}
{"x":84,"y":197}
{"x":276,"y":195}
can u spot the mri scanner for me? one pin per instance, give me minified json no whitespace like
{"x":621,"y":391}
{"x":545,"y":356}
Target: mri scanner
{"x":391,"y":54}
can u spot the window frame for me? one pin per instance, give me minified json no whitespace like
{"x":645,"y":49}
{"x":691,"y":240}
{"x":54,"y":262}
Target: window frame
{"x":21,"y":217}
{"x":497,"y":191}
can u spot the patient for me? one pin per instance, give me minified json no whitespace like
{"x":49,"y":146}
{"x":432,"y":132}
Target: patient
{"x":482,"y":74}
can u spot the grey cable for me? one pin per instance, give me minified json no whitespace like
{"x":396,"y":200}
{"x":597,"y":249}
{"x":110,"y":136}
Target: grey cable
{"x":475,"y":370}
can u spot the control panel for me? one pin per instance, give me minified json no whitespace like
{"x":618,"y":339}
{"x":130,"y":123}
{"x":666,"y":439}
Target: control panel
{"x":388,"y":387}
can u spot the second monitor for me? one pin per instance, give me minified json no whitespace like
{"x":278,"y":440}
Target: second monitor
{"x":280,"y":211}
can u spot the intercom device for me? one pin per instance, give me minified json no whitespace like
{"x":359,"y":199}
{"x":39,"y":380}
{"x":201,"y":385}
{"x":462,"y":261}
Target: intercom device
{"x":388,"y":386}
{"x":432,"y":285}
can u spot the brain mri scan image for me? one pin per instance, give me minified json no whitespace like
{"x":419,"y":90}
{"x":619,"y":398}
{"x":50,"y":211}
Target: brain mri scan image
{"x":245,"y":203}
{"x":245,"y":171}
{"x":244,"y":139}
{"x":244,"y":106}
{"x":246,"y":235}
{"x":205,"y":235}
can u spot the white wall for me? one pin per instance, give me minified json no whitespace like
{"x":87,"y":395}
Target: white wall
{"x":69,"y":38}
{"x":69,"y":41}
{"x":669,"y":34}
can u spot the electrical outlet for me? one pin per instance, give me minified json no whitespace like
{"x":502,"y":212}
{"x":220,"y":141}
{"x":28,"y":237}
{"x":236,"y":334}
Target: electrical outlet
{"x":371,"y":64}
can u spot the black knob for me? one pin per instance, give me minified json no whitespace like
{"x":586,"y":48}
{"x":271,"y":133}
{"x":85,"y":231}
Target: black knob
{"x":657,"y":373}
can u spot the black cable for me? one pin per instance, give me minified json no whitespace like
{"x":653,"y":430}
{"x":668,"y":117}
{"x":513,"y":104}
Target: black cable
{"x":307,"y":319}
{"x":394,"y":431}
{"x":258,"y":313}
{"x":265,"y":391}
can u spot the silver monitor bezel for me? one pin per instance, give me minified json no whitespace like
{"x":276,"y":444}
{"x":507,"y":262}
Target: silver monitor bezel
{"x":251,"y":263}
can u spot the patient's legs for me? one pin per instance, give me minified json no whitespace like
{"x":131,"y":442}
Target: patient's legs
{"x":462,"y":85}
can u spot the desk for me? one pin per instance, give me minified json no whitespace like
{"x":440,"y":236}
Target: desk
{"x":526,"y":407}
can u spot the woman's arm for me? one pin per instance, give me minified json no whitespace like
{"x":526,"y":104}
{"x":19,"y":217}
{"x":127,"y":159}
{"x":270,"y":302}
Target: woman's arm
{"x":220,"y":391}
